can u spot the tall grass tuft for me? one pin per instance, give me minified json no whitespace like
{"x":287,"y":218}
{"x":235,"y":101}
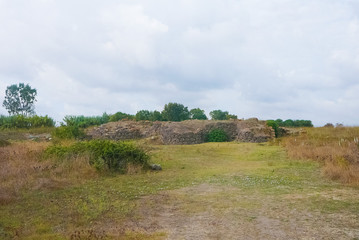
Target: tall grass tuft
{"x":22,"y":168}
{"x":337,"y":149}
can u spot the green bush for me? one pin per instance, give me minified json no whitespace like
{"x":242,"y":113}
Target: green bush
{"x":120,"y":116}
{"x":84,"y":122}
{"x":68,"y":132}
{"x":275,"y":126}
{"x":217,"y":135}
{"x":104,"y":154}
{"x":21,"y":121}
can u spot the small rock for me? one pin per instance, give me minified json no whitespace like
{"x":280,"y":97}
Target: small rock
{"x":156,"y":167}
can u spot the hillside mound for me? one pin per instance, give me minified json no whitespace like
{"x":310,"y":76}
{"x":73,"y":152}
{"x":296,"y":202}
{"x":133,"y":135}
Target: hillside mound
{"x":185,"y":132}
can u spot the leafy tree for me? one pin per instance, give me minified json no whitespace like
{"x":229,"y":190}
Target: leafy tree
{"x":288,"y":123}
{"x":155,"y":116}
{"x":148,"y":115}
{"x":19,"y":99}
{"x":293,"y":123}
{"x":218,"y":115}
{"x":197,"y":113}
{"x":175,"y":112}
{"x":143,"y":115}
{"x":119,"y":116}
{"x":84,"y":122}
{"x":231,"y":116}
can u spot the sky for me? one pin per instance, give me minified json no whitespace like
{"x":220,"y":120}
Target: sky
{"x":288,"y":59}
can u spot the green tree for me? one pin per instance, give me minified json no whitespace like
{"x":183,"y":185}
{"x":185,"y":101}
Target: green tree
{"x":231,"y":116}
{"x":175,"y":112}
{"x":143,"y":115}
{"x":218,"y":115}
{"x":197,"y":113}
{"x":156,"y":116}
{"x":288,"y":123}
{"x":120,"y":116}
{"x":19,"y":99}
{"x":148,"y":115}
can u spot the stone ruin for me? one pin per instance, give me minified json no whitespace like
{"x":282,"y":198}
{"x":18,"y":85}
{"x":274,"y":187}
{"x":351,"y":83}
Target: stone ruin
{"x":185,"y":132}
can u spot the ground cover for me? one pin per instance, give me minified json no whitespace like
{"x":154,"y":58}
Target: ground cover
{"x":206,"y":191}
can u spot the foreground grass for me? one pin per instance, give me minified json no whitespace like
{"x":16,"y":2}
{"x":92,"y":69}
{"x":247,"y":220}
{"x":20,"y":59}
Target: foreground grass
{"x":101,"y":208}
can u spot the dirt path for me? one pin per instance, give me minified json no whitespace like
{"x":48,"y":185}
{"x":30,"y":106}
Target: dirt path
{"x":215,"y":212}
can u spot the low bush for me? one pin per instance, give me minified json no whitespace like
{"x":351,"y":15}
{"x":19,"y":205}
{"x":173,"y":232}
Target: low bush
{"x":84,"y":122}
{"x":217,"y":135}
{"x":68,"y":132}
{"x":275,"y":126}
{"x":103,"y":154}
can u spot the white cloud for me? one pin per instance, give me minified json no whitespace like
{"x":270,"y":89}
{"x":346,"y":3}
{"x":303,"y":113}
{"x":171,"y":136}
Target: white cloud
{"x":131,"y":35}
{"x":270,"y":59}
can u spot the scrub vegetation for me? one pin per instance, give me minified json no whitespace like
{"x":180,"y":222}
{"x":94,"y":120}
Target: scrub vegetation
{"x":336,"y":149}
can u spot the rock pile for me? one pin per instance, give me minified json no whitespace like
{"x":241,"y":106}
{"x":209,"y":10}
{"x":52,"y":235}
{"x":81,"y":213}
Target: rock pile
{"x":186,"y":132}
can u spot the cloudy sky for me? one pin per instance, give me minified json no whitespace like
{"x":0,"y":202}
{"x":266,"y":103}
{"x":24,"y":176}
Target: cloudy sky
{"x":270,"y":59}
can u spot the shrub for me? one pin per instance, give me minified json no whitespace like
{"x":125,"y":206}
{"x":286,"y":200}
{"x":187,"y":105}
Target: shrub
{"x":217,"y":135}
{"x":84,"y":122}
{"x":275,"y":126}
{"x":115,"y":156}
{"x":38,"y":121}
{"x":68,"y":132}
{"x":120,"y":116}
{"x":21,"y":121}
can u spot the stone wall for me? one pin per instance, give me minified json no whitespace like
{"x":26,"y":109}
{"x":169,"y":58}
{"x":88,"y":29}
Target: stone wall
{"x":186,"y":132}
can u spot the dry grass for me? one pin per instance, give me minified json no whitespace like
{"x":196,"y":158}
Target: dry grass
{"x":336,"y":148}
{"x":23,"y":168}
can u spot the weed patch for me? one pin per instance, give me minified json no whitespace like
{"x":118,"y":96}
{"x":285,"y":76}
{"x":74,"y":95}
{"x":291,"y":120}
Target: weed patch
{"x":103,"y":154}
{"x":336,"y":149}
{"x":217,"y":135}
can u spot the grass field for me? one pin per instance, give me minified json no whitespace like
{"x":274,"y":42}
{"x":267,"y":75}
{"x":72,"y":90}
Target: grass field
{"x":206,"y":191}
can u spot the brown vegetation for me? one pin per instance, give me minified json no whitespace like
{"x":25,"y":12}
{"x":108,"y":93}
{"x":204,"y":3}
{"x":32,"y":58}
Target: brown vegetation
{"x":23,"y":168}
{"x":335,"y":148}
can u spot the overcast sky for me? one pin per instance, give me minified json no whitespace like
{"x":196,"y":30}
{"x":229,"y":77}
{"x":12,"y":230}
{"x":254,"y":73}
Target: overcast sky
{"x":269,"y":59}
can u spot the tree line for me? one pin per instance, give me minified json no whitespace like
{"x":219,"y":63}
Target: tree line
{"x":171,"y":112}
{"x":20,"y":103}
